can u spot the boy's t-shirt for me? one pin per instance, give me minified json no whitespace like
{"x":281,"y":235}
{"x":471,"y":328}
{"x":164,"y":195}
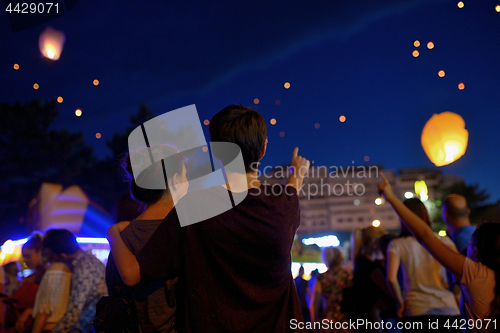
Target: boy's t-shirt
{"x":478,"y":291}
{"x":235,"y":266}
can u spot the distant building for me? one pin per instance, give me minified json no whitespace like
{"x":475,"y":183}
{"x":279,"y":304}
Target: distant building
{"x":340,"y":199}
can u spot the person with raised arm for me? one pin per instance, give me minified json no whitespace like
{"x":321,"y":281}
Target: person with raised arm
{"x":479,"y":271}
{"x":235,"y":271}
{"x":426,"y":296}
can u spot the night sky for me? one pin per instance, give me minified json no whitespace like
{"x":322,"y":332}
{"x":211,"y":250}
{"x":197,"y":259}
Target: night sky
{"x":351,"y":58}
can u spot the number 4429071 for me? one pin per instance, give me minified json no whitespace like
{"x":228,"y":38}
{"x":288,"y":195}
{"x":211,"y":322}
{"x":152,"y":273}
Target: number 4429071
{"x":27,"y":8}
{"x":471,"y":324}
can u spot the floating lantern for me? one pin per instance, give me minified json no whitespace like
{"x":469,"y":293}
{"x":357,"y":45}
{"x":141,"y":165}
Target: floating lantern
{"x":444,"y":138}
{"x":51,"y":42}
{"x":421,"y":190}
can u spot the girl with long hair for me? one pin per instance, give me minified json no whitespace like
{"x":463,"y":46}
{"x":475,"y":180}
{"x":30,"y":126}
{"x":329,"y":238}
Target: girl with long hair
{"x":479,"y":271}
{"x":425,"y":296}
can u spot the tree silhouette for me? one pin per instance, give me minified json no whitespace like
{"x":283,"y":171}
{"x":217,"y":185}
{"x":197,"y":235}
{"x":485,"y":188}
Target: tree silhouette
{"x":30,"y":154}
{"x":118,"y":144}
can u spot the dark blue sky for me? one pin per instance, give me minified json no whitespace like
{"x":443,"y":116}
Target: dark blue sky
{"x":340,"y":57}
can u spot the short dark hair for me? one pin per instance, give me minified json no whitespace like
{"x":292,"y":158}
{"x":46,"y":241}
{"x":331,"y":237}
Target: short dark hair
{"x":33,"y":243}
{"x":418,"y":207}
{"x":60,"y":241}
{"x":168,"y":166}
{"x":242,"y":126}
{"x":12,"y":268}
{"x":453,"y":211}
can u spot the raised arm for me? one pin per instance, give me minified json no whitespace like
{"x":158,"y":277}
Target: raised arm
{"x":300,"y":167}
{"x":451,"y":260}
{"x":125,"y":261}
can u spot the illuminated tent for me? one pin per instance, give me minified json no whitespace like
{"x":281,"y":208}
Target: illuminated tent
{"x":55,"y":208}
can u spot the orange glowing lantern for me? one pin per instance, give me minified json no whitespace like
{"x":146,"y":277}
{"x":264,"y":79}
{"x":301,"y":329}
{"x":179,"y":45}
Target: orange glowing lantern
{"x":444,"y":138}
{"x":51,"y":43}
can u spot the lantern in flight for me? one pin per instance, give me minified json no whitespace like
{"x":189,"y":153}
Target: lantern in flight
{"x":51,"y":42}
{"x":444,"y":138}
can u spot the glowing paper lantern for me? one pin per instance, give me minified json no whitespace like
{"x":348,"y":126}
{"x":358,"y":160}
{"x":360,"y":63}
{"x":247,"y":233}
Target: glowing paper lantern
{"x":444,"y":138}
{"x":51,"y":43}
{"x":420,"y":188}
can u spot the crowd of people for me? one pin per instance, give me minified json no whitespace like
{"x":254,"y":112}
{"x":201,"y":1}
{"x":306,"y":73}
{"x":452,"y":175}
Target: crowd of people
{"x":231,"y":272}
{"x":60,"y":294}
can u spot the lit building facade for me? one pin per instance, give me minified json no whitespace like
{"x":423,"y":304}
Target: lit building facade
{"x":340,"y":199}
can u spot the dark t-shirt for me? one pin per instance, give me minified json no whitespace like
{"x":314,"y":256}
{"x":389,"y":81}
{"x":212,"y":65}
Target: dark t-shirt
{"x":302,"y":285}
{"x":236,"y":265}
{"x":154,"y":299}
{"x":367,"y":288}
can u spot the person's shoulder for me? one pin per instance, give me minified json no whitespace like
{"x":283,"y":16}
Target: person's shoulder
{"x":474,"y":272}
{"x":87,"y":259}
{"x":276,"y":192}
{"x":345,"y":273}
{"x":476,"y":268}
{"x":58,"y":266}
{"x":446,"y":240}
{"x":466,"y":231}
{"x":200,"y":197}
{"x":396,"y":242}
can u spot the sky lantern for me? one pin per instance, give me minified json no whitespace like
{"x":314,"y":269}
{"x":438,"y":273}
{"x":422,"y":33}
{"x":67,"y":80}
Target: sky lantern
{"x":51,"y":42}
{"x":421,"y":190}
{"x":444,"y":138}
